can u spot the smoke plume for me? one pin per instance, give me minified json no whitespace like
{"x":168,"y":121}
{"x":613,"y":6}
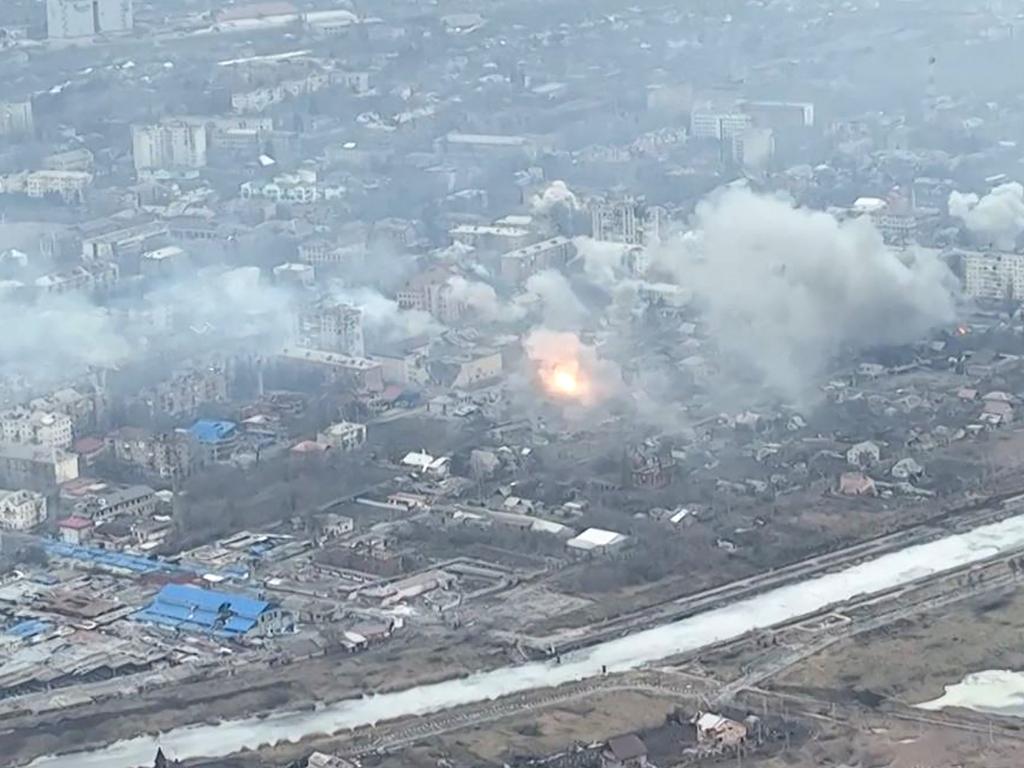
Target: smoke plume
{"x":997,"y":218}
{"x":561,"y":307}
{"x":785,"y":289}
{"x":556,"y":194}
{"x":482,"y":300}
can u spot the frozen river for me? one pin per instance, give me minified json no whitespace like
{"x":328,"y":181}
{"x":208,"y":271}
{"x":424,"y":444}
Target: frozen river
{"x":619,"y":655}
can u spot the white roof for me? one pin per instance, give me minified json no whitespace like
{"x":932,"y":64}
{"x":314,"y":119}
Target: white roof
{"x":710,"y":721}
{"x":417,"y":459}
{"x":548,"y":526}
{"x":592,"y":538}
{"x":869,"y":204}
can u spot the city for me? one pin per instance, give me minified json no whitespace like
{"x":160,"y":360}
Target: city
{"x":530,"y":384}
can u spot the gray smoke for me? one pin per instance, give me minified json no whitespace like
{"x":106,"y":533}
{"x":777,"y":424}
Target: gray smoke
{"x":482,"y":300}
{"x":785,"y":289}
{"x":383,"y":320}
{"x":560,"y":306}
{"x":997,"y":218}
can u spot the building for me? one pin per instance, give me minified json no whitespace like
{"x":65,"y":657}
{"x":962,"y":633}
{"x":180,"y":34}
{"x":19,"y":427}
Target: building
{"x":994,"y":276}
{"x":80,"y":159}
{"x":358,"y":372}
{"x":491,"y":237}
{"x":45,"y":428}
{"x":429,"y":292}
{"x":721,"y":125}
{"x":625,"y":221}
{"x":133,"y":501}
{"x":597,"y":541}
{"x":110,"y":240}
{"x":75,"y":530}
{"x":333,"y":327}
{"x":91,"y":279}
{"x":864,"y":454}
{"x":301,"y":187}
{"x":167,"y":455}
{"x":85,"y":18}
{"x":486,"y":146}
{"x":343,"y":436}
{"x":16,"y":119}
{"x":172,"y":144}
{"x":517,"y":265}
{"x":162,"y":262}
{"x":35,"y":467}
{"x":718,"y":732}
{"x":627,"y":751}
{"x":217,"y":440}
{"x":69,"y":186}
{"x":298,"y":275}
{"x":186,"y":608}
{"x":753,"y":148}
{"x":21,"y":510}
{"x":780,"y":115}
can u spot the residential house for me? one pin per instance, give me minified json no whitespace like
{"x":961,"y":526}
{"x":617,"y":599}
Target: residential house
{"x":863,"y":454}
{"x":628,"y":751}
{"x":856,"y":484}
{"x":343,"y":436}
{"x":75,"y":530}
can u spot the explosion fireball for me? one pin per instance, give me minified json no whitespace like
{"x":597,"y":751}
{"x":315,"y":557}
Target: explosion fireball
{"x":562,"y":381}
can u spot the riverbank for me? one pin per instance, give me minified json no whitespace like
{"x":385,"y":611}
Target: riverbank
{"x":622,"y":654}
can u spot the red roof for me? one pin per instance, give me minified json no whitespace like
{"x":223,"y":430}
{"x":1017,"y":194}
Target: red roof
{"x":76,"y":523}
{"x":88,"y":445}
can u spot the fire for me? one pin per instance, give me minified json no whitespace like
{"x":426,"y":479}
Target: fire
{"x":564,"y":380}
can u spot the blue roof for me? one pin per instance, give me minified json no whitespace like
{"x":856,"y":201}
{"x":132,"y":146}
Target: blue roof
{"x":186,"y":607}
{"x":28,"y":628}
{"x":212,"y":431}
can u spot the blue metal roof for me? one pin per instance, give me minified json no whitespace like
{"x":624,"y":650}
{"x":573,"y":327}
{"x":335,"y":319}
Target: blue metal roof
{"x":186,"y":607}
{"x":28,"y":628}
{"x":212,"y":431}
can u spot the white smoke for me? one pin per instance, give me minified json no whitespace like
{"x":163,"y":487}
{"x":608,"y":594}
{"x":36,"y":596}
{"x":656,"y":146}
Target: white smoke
{"x":482,"y":300}
{"x":561,"y":307}
{"x":383,"y":319}
{"x":604,"y":263}
{"x":556,"y":194}
{"x":784,"y":289}
{"x":997,"y":218}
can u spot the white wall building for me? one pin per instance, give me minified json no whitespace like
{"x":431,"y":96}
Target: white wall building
{"x":16,"y":118}
{"x":709,"y":123}
{"x":169,"y":144}
{"x":994,"y":275}
{"x":70,"y":186}
{"x":343,"y":436}
{"x":85,"y":18}
{"x":39,"y":427}
{"x":21,"y":510}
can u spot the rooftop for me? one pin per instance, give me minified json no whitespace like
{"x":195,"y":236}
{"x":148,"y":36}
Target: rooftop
{"x":212,"y":431}
{"x":187,"y":607}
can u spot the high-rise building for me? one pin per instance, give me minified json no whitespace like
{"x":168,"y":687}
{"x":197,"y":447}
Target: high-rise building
{"x":333,"y":328}
{"x":994,"y":276}
{"x":170,"y":144}
{"x":709,"y":123}
{"x":85,"y":18}
{"x":626,"y":221}
{"x":16,"y":118}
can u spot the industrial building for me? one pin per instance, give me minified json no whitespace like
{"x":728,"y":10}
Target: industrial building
{"x":183,"y":607}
